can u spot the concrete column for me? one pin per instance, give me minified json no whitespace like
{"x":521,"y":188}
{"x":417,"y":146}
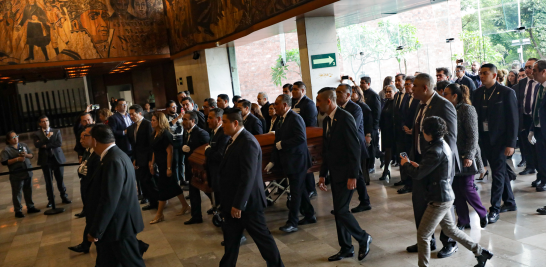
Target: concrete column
{"x":317,"y":36}
{"x":211,"y":74}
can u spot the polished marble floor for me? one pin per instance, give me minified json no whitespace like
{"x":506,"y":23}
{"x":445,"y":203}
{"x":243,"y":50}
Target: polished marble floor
{"x":517,"y":239}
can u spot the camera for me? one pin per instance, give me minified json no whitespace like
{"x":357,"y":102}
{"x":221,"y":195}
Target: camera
{"x":346,"y":77}
{"x":404,"y":154}
{"x":95,"y":106}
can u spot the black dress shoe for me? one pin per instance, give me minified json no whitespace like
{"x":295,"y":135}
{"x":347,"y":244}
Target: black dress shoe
{"x":66,"y":200}
{"x":341,"y":255}
{"x":364,"y":248}
{"x":482,"y":259}
{"x":211,"y":211}
{"x":522,"y":163}
{"x":541,"y":187}
{"x":535,"y":183}
{"x":462,"y":227}
{"x":360,"y":208}
{"x":447,"y":251}
{"x":415,"y":248}
{"x":149,"y":207}
{"x":287,"y":228}
{"x":527,"y":171}
{"x":399,"y":183}
{"x":404,"y":190}
{"x":19,"y":214}
{"x":371,"y":170}
{"x":144,"y":201}
{"x":483,"y":221}
{"x":541,"y":211}
{"x":49,"y":205}
{"x":32,"y":210}
{"x":140,"y":197}
{"x":193,"y":221}
{"x":305,"y":221}
{"x":313,"y":194}
{"x":80,"y":215}
{"x":492,"y":217}
{"x":79,"y":248}
{"x":505,"y":208}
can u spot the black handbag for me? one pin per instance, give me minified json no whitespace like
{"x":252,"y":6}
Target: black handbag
{"x":466,"y":171}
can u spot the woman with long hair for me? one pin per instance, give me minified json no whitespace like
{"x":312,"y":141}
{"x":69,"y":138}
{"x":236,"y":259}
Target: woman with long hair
{"x":256,"y":111}
{"x":160,"y":165}
{"x":470,"y":156}
{"x":104,"y":114}
{"x":386,"y":125}
{"x":512,"y":78}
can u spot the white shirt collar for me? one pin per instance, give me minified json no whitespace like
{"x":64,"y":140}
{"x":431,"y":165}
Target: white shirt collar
{"x":428,"y":101}
{"x":244,"y":118}
{"x":284,"y":116}
{"x":106,"y":151}
{"x":544,"y":84}
{"x":344,"y":105}
{"x":331,"y":115}
{"x":90,"y":150}
{"x":236,"y":135}
{"x":139,"y":121}
{"x":46,"y":130}
{"x":189,"y":131}
{"x":216,"y":130}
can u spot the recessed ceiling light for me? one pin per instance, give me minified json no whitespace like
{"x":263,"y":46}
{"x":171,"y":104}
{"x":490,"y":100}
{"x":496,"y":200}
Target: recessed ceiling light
{"x":142,"y":61}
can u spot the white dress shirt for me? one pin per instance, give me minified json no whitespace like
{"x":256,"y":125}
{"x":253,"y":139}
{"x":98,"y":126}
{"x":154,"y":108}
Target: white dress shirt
{"x":421,"y":124}
{"x":106,"y":151}
{"x":235,"y":137}
{"x":533,"y":95}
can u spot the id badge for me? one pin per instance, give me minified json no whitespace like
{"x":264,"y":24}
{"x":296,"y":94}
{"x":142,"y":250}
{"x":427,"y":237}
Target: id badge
{"x":486,"y":126}
{"x":297,"y":110}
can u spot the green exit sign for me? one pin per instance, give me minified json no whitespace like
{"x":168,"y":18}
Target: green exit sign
{"x":323,"y":61}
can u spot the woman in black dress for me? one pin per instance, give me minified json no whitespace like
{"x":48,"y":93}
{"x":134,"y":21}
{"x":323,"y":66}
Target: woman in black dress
{"x":386,"y":125}
{"x":162,"y":157}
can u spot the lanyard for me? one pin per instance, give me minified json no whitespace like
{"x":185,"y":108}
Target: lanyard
{"x":495,"y":88}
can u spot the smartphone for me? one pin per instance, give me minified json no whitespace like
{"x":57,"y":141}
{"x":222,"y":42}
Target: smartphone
{"x":95,"y":106}
{"x":404,"y":155}
{"x":344,"y":77}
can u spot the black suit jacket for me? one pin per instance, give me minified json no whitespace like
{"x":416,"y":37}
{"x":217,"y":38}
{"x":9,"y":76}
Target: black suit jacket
{"x":253,"y":124}
{"x":367,"y":117}
{"x":440,"y":107}
{"x":142,"y":150}
{"x":241,"y":170}
{"x":214,"y":155}
{"x":265,"y":112}
{"x":93,"y":163}
{"x":197,"y":138}
{"x":53,"y":146}
{"x":409,"y":115}
{"x":399,"y":111}
{"x":541,"y":115}
{"x":465,"y":80}
{"x":201,"y":120}
{"x":117,"y":123}
{"x":307,"y":111}
{"x":341,"y":148}
{"x":294,"y":157}
{"x":356,"y":112}
{"x":502,"y":115}
{"x":113,"y":200}
{"x":520,"y":88}
{"x":372,"y":100}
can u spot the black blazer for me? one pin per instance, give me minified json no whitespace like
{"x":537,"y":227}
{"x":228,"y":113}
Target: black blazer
{"x":372,"y":100}
{"x":214,"y":156}
{"x":341,"y":149}
{"x":265,"y":112}
{"x":197,"y":138}
{"x":367,"y":117}
{"x":440,"y":107}
{"x":294,"y":157}
{"x":142,"y":150}
{"x":93,"y":163}
{"x":117,"y":123}
{"x":356,"y":112}
{"x":53,"y":146}
{"x":307,"y":111}
{"x":409,"y":115}
{"x":253,"y":124}
{"x":399,"y":110}
{"x":502,"y":115}
{"x":433,"y":171}
{"x":541,"y":116}
{"x":475,"y":78}
{"x":241,"y":170}
{"x":201,"y":120}
{"x":469,"y":83}
{"x":77,"y":132}
{"x":113,"y":200}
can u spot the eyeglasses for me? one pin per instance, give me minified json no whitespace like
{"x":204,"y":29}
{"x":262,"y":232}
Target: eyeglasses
{"x":529,"y":67}
{"x":440,"y":75}
{"x":15,"y":137}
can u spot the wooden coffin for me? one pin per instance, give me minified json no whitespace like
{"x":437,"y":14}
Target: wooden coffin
{"x":314,"y":142}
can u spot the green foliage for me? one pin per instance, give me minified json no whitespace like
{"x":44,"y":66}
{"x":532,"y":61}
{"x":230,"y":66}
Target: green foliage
{"x":278,"y":72}
{"x":360,"y":44}
{"x":478,"y":48}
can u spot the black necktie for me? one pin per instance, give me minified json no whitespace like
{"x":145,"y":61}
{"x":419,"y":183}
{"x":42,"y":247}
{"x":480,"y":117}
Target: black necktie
{"x":228,"y":144}
{"x":281,"y":120}
{"x":528,"y":98}
{"x":417,"y":126}
{"x":328,"y":124}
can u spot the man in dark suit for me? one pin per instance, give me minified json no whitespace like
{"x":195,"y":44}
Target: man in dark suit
{"x":400,"y":100}
{"x":307,"y":109}
{"x":408,"y":117}
{"x":251,"y":122}
{"x":50,"y":156}
{"x":497,"y":110}
{"x":372,"y":100}
{"x":139,"y":135}
{"x":241,"y":170}
{"x":223,"y":101}
{"x":341,"y":158}
{"x":194,"y":137}
{"x":526,"y":90}
{"x":465,"y":80}
{"x":263,"y":101}
{"x":215,"y":152}
{"x":474,"y":74}
{"x":431,"y":104}
{"x":536,"y":135}
{"x":188,"y":105}
{"x":343,"y":100}
{"x":85,"y":119}
{"x":113,"y":204}
{"x":291,"y":154}
{"x":119,"y":122}
{"x":90,"y":163}
{"x":179,"y":96}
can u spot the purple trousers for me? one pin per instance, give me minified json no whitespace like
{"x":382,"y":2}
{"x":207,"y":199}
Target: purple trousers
{"x":463,"y":186}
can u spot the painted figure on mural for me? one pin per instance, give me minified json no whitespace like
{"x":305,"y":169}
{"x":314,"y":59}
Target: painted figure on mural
{"x":55,"y":20}
{"x":209,"y":12}
{"x":121,"y":10}
{"x":35,"y":21}
{"x":139,"y":9}
{"x":6,"y":29}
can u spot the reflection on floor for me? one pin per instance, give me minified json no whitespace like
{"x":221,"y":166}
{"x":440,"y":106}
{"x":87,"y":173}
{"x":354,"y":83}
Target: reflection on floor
{"x":517,"y":239}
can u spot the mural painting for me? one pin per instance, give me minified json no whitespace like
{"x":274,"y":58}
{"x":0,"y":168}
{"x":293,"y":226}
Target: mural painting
{"x":193,"y":22}
{"x":33,"y":31}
